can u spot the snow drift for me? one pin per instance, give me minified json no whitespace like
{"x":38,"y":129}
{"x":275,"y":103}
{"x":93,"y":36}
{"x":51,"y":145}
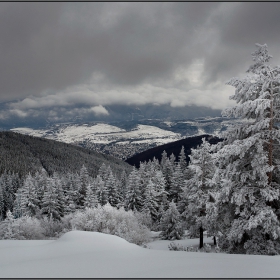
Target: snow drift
{"x":79,"y":254}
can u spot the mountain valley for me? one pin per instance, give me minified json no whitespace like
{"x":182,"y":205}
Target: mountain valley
{"x":123,"y":139}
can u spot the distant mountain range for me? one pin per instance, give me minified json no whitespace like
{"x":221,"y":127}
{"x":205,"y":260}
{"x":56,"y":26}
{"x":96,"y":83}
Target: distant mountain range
{"x":123,"y":139}
{"x":23,"y":154}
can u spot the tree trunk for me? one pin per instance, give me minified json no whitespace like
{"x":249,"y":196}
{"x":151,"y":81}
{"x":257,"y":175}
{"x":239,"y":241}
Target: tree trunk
{"x":215,"y":241}
{"x":270,"y":145}
{"x":200,"y":237}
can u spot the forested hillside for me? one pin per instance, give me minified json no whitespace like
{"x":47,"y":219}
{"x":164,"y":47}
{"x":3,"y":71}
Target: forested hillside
{"x":23,"y":154}
{"x":173,"y":147}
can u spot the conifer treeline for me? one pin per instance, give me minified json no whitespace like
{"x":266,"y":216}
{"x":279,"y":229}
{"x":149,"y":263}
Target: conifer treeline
{"x":147,"y":189}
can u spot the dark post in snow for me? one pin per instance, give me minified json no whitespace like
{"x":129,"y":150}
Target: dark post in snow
{"x":200,"y":237}
{"x":215,"y":241}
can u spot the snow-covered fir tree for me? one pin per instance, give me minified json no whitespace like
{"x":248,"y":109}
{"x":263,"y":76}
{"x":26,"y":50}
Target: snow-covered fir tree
{"x":150,"y":204}
{"x":182,"y":159}
{"x":91,"y":197}
{"x":133,"y":200}
{"x":9,"y":232}
{"x":84,"y":178}
{"x":101,"y":191}
{"x":247,"y":207}
{"x":170,"y":223}
{"x":177,"y":182}
{"x":50,"y":202}
{"x":29,"y":197}
{"x":112,"y":189}
{"x":197,"y":189}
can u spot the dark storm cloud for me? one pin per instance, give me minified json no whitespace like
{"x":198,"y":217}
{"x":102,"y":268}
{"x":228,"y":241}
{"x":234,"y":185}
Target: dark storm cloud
{"x":239,"y":26}
{"x":94,"y":54}
{"x":55,"y":45}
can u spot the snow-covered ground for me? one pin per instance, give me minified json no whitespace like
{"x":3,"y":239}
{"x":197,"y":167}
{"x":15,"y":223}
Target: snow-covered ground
{"x":79,"y":254}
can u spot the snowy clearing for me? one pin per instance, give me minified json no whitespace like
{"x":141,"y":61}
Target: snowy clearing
{"x":79,"y":254}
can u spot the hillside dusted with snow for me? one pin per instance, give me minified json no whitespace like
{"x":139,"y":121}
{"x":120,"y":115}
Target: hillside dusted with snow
{"x":125,"y":139}
{"x":25,"y":154}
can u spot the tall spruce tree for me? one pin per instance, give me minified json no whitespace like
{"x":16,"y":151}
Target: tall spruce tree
{"x":133,"y":200}
{"x":170,"y":224}
{"x":177,"y":182}
{"x":196,"y":190}
{"x":247,"y":207}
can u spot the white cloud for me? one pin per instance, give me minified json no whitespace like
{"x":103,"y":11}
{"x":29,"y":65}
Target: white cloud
{"x":184,"y":88}
{"x":99,"y":110}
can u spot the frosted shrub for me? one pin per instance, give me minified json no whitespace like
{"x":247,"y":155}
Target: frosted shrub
{"x":176,"y":247}
{"x":144,"y":218}
{"x":107,"y":219}
{"x":217,"y":249}
{"x":207,"y":248}
{"x":51,"y":227}
{"x":259,"y":245}
{"x":22,"y":228}
{"x":29,"y":228}
{"x":192,"y":249}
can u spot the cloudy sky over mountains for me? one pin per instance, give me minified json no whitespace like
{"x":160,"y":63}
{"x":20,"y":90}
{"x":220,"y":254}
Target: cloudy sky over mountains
{"x":64,"y":59}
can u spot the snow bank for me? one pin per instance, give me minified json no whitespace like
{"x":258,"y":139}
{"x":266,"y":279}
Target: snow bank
{"x":79,"y":254}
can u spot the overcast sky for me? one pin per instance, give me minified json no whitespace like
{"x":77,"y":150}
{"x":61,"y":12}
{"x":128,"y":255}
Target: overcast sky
{"x":84,"y":56}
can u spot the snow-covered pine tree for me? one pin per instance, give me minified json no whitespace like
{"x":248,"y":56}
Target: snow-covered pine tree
{"x":2,"y":213}
{"x":196,"y":189}
{"x":76,"y":186}
{"x":71,"y":194}
{"x":247,"y":207}
{"x":168,"y":170}
{"x":122,"y":187}
{"x":133,"y":200}
{"x":177,"y":181}
{"x":8,"y":191}
{"x":159,"y":186}
{"x":91,"y":197}
{"x":9,"y":232}
{"x":84,"y":178}
{"x":182,"y":159}
{"x":41,"y":179}
{"x":50,"y":203}
{"x":102,"y":172}
{"x":101,"y":191}
{"x":163,"y":159}
{"x":150,"y":204}
{"x":29,"y":198}
{"x":61,"y":199}
{"x":170,"y":224}
{"x":18,"y":204}
{"x":111,"y":186}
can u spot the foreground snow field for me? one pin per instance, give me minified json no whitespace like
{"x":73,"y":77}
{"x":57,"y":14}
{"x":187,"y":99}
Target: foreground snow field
{"x":79,"y":254}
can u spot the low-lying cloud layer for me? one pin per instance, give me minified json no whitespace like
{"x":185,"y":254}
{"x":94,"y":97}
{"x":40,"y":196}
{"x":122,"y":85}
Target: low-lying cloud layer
{"x":86,"y":56}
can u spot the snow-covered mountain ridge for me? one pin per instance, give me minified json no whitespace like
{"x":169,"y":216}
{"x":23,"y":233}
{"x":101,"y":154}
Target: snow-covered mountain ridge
{"x":124,"y":139}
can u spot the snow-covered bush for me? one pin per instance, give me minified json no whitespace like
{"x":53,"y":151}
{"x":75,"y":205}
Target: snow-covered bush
{"x":108,"y":219}
{"x":217,"y":249}
{"x":53,"y":228}
{"x":176,"y":247}
{"x":207,"y":247}
{"x":144,"y":218}
{"x":29,"y":228}
{"x":22,"y":228}
{"x":259,"y":245}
